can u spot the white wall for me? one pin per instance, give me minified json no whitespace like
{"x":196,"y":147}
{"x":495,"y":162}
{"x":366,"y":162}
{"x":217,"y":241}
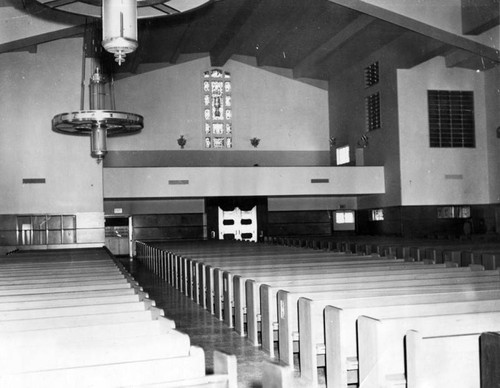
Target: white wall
{"x":287,"y":115}
{"x":241,"y":181}
{"x":34,"y":88}
{"x":18,"y":24}
{"x":423,"y":169}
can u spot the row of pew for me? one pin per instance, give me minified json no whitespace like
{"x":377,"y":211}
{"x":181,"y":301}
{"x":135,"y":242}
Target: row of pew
{"x":365,"y":318}
{"x":76,"y":318}
{"x":462,"y":253}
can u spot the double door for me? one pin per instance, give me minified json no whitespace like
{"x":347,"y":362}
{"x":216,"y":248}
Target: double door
{"x":238,"y":224}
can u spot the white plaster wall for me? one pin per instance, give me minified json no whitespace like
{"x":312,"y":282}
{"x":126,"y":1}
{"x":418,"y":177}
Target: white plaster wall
{"x":241,"y":181}
{"x":16,"y":24}
{"x":423,"y":169}
{"x":34,"y":88}
{"x":285,"y":114}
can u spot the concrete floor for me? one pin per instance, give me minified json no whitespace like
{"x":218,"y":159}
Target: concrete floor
{"x":208,"y":332}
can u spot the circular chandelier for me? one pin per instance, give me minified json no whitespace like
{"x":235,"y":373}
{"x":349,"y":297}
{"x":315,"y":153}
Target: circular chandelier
{"x":119,"y":37}
{"x":119,"y":18}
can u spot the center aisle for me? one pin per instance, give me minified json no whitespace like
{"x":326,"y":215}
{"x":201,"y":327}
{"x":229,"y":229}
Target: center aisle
{"x":205,"y":330}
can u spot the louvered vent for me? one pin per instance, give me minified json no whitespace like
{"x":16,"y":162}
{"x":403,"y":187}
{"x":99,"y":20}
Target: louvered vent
{"x":371,"y":75}
{"x":372,"y":103}
{"x":451,"y":118}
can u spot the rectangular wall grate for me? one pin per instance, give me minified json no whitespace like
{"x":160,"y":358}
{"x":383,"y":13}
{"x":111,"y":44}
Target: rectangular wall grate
{"x":453,"y":176}
{"x":326,"y":180}
{"x":451,"y":118}
{"x":179,"y":182}
{"x":27,"y":181}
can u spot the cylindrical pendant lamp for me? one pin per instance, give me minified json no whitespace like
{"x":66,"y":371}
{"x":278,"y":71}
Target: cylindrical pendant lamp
{"x":119,"y":27}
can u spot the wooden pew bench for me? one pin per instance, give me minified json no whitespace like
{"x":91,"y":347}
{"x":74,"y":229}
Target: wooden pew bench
{"x":382,"y":284}
{"x":128,"y":374}
{"x":381,"y":341}
{"x":341,"y":325}
{"x":261,"y":303}
{"x":288,"y":309}
{"x":198,"y":273}
{"x":442,"y":361}
{"x":45,"y":353}
{"x":281,"y":279}
{"x":75,"y":309}
{"x":59,"y":279}
{"x":70,"y":302}
{"x":340,"y":342}
{"x":244,"y":287}
{"x":73,"y":295}
{"x":212,"y":282}
{"x":489,"y":343}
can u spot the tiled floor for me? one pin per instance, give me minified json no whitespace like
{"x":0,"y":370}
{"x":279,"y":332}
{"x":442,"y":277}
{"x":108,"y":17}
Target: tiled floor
{"x":206,"y":331}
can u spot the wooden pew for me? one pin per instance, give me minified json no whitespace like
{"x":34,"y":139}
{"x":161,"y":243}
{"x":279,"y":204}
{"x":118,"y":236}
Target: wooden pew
{"x":442,"y":361}
{"x":74,"y":295}
{"x":381,"y":341}
{"x":341,"y":327}
{"x":490,"y":359}
{"x":362,"y":288}
{"x":164,"y":370}
{"x":46,"y":353}
{"x":288,"y":315}
{"x":263,"y":306}
{"x":212,"y":283}
{"x":243,"y":291}
{"x":197,"y":272}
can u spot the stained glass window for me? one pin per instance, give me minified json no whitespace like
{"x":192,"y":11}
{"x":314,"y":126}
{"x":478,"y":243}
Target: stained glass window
{"x":217,"y":109}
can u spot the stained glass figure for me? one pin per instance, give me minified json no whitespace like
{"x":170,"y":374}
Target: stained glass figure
{"x":217,"y":103}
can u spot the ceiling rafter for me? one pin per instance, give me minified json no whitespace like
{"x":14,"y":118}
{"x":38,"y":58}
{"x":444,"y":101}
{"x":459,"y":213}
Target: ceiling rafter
{"x":236,"y":31}
{"x":299,"y":8}
{"x":422,"y":28}
{"x":186,"y":36}
{"x":320,"y":53}
{"x":361,"y":45}
{"x":28,"y":43}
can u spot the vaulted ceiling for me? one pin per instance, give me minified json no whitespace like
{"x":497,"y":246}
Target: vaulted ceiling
{"x":313,"y":38}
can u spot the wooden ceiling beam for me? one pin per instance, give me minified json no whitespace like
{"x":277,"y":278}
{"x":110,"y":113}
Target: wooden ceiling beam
{"x":419,"y":27}
{"x":236,"y":31}
{"x":298,"y":8}
{"x":187,"y":35}
{"x":318,"y":55}
{"x":27,"y":43}
{"x":464,"y":59}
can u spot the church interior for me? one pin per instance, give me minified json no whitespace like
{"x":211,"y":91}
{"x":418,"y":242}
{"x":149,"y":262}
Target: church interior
{"x":254,"y":167}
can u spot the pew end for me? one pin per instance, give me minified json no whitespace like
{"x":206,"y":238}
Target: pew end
{"x":276,"y":375}
{"x":490,"y":359}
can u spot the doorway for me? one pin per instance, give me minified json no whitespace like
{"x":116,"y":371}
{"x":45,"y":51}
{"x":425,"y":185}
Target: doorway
{"x":238,"y":224}
{"x":236,"y":218}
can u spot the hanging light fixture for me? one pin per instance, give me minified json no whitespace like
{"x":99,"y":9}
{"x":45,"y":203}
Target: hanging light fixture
{"x":119,"y":18}
{"x":119,"y":27}
{"x":99,"y":122}
{"x":119,"y":37}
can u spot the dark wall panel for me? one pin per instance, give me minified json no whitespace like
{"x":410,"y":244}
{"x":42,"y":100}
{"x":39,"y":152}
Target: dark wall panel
{"x":293,"y":223}
{"x":422,"y":222}
{"x":168,"y":226}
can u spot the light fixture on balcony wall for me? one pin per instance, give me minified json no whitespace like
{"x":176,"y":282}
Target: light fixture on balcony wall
{"x":363,"y":141}
{"x":255,"y":142}
{"x":119,"y":18}
{"x":182,"y":141}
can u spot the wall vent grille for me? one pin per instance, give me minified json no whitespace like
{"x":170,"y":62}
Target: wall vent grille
{"x":451,"y":119}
